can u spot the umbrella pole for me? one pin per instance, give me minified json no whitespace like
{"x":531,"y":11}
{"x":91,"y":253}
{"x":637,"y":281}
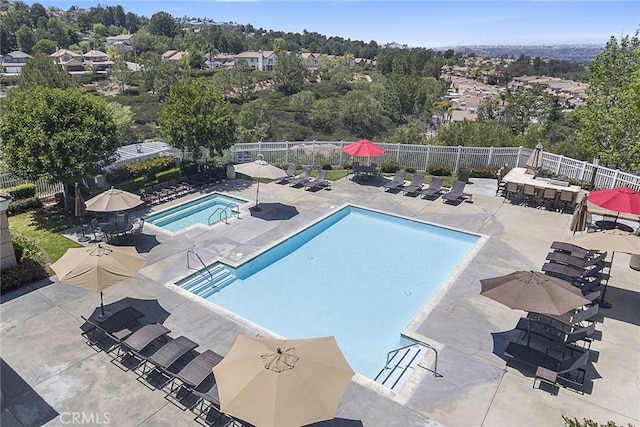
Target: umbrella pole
{"x":603,"y":303}
{"x":101,"y":305}
{"x":256,"y":208}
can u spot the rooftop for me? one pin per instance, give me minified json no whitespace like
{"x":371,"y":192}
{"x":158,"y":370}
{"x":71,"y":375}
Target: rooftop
{"x":62,"y":375}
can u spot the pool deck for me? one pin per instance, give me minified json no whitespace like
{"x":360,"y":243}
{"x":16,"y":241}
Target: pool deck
{"x":49,"y":373}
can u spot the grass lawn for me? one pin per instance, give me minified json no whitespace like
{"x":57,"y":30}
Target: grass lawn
{"x":43,"y":226}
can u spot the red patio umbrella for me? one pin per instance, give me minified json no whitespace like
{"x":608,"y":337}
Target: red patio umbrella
{"x":622,"y":199}
{"x":364,"y":148}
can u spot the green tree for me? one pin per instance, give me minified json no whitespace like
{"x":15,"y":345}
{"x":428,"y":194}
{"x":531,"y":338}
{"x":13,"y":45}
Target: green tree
{"x":475,"y":134}
{"x":25,"y":38}
{"x":361,"y":113}
{"x":253,"y":121}
{"x":100,"y":29}
{"x":324,"y":115}
{"x":59,"y":134}
{"x":163,"y":24}
{"x":301,"y":103}
{"x":194,"y":116}
{"x":121,"y":73}
{"x":45,"y":46}
{"x":122,"y":116}
{"x":607,"y":123}
{"x":410,"y":133}
{"x":289,"y":73}
{"x":241,"y":80}
{"x":40,"y":70}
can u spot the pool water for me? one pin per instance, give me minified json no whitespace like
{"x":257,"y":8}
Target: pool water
{"x":205,"y":210}
{"x":359,"y":275}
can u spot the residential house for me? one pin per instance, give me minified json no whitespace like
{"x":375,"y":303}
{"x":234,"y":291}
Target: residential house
{"x":221,"y":60}
{"x":312,"y":60}
{"x":260,"y":60}
{"x":173,"y":57}
{"x":69,"y":61}
{"x":98,"y":61}
{"x":13,"y":62}
{"x":122,"y":39}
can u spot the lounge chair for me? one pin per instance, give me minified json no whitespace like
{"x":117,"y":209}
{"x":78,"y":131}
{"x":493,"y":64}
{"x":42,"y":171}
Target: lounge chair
{"x":197,"y":370}
{"x":434,"y":188}
{"x":559,"y":338}
{"x":115,"y":327}
{"x":397,"y":182}
{"x":209,"y":398}
{"x":575,"y":250}
{"x":168,"y":354}
{"x":290,"y":173}
{"x":142,"y":339}
{"x":548,"y":368}
{"x":455,"y":193}
{"x":302,"y":178}
{"x":318,"y":182}
{"x":417,"y":181}
{"x":567,"y":322}
{"x":572,"y":274}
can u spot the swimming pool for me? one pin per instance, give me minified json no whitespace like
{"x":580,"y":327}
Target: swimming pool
{"x":358,"y":274}
{"x":204,"y":210}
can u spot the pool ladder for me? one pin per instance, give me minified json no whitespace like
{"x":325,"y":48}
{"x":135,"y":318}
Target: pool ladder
{"x":223,"y":213}
{"x":394,"y":372}
{"x":201,"y":262}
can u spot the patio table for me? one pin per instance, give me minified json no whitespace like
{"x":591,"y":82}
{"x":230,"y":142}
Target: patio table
{"x":521,"y":178}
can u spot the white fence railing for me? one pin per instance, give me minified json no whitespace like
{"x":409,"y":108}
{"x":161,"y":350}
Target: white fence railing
{"x":421,"y":157}
{"x":44,"y":188}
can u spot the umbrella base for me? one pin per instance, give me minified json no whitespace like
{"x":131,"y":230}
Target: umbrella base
{"x":83,"y":239}
{"x":255,"y":208}
{"x":102,"y":317}
{"x":604,"y":304}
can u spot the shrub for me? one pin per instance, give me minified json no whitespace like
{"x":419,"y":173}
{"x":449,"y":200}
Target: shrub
{"x":22,"y":191}
{"x":168,"y":175}
{"x":24,"y":205}
{"x":347,"y":164}
{"x":439,"y":170}
{"x":587,"y":423}
{"x":28,"y":271}
{"x":131,"y":92}
{"x":390,"y":167}
{"x":488,"y":172}
{"x":119,"y":174}
{"x":410,"y":170}
{"x":326,"y":166}
{"x":152,"y":166}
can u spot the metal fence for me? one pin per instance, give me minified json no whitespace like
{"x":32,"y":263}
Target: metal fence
{"x":44,"y":188}
{"x":420,"y":157}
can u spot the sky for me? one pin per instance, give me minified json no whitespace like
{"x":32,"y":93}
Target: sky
{"x":426,"y":23}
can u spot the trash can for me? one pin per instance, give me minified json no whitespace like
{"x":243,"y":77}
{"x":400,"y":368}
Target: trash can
{"x":464,"y":174}
{"x":231,"y":172}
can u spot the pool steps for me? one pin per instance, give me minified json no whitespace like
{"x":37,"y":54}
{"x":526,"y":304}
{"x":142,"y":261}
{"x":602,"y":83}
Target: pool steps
{"x":400,"y":366}
{"x":205,"y":283}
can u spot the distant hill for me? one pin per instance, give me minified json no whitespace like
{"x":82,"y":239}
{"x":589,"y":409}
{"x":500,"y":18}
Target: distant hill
{"x":573,"y":53}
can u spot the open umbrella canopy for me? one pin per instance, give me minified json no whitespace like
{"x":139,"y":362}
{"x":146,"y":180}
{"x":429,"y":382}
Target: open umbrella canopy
{"x":613,"y":240}
{"x":535,"y":159}
{"x":259,"y":169}
{"x":533,"y":291}
{"x":364,"y":148}
{"x":113,"y":200}
{"x":621,"y":199}
{"x":99,"y":266}
{"x":270,"y":382}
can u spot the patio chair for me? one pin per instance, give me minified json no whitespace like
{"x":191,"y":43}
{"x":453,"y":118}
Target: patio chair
{"x":397,"y":181}
{"x":290,"y":173}
{"x":167,"y":355}
{"x":567,"y":322}
{"x":549,"y":198}
{"x":434,"y":188}
{"x":575,"y":250}
{"x":455,"y":193}
{"x":567,"y":199}
{"x":302,"y":178}
{"x":512,"y":191}
{"x":94,"y":228}
{"x":196,"y":371}
{"x":417,"y":181}
{"x":318,"y":182}
{"x":208,"y":398}
{"x":558,"y":337}
{"x":530,"y":194}
{"x":140,"y":340}
{"x":115,"y":327}
{"x":553,"y":370}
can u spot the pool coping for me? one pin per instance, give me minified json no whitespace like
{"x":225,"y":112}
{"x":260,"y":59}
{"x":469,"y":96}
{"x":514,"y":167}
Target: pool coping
{"x":405,"y":392}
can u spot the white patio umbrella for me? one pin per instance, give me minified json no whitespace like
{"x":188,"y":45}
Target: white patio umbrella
{"x":259,"y":169}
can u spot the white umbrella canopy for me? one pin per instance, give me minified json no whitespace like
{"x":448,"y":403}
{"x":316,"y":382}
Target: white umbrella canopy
{"x":271,"y":382}
{"x":113,"y":200}
{"x":259,"y":169}
{"x":97,"y":267}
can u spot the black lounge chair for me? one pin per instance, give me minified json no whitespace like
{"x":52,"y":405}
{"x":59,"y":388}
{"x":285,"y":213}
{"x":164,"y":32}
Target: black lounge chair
{"x":577,"y":276}
{"x":318,"y":182}
{"x":567,"y":322}
{"x":168,"y":354}
{"x":142,"y":339}
{"x":208,"y":397}
{"x":417,"y":181}
{"x":455,"y":193}
{"x":574,"y":250}
{"x":197,"y":370}
{"x":559,"y":338}
{"x":302,"y":178}
{"x":396,"y":183}
{"x":290,"y":173}
{"x":553,"y":370}
{"x":434,"y":188}
{"x":115,"y":327}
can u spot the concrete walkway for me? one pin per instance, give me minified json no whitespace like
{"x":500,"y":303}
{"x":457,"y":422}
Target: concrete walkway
{"x":49,"y":375}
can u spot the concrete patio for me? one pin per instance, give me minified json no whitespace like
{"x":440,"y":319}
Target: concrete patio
{"x":49,"y":374}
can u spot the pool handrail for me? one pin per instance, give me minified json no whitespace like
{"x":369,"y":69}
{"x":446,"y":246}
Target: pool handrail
{"x":201,"y":262}
{"x":224,"y":210}
{"x":393,"y":352}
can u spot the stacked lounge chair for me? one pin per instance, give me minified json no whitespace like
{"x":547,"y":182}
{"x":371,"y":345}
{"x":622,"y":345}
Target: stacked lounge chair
{"x":319,"y":181}
{"x":302,"y":178}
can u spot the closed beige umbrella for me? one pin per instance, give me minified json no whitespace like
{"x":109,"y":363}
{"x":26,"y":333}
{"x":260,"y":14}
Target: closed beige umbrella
{"x":259,"y":169}
{"x":533,"y":291}
{"x":270,"y":382}
{"x":113,"y":200}
{"x":535,"y":159}
{"x":579,"y":218}
{"x":97,"y":267}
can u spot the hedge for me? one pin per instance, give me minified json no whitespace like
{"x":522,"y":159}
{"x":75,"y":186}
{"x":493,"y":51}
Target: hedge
{"x":22,"y":191}
{"x":23,"y":205}
{"x":31,"y":266}
{"x":439,"y":170}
